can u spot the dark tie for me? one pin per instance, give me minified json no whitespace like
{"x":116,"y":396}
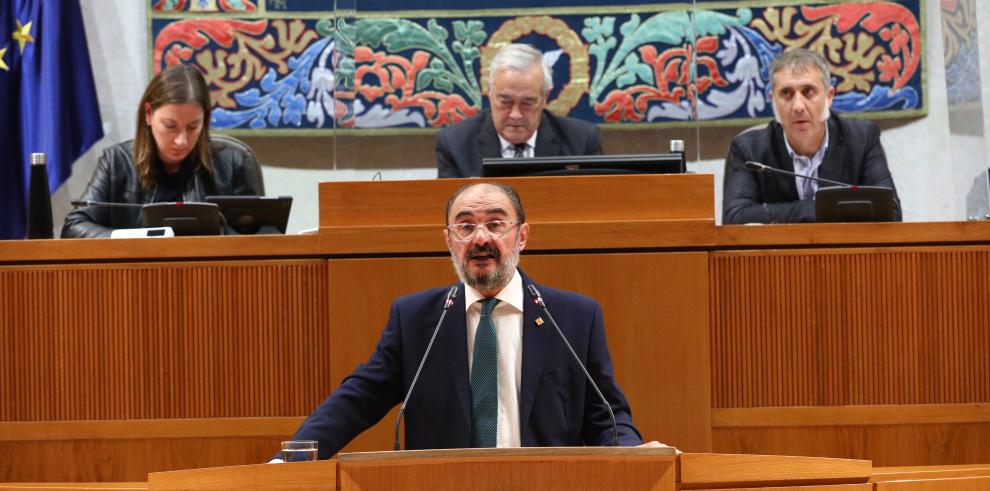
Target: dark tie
{"x":484,"y":380}
{"x":520,"y":150}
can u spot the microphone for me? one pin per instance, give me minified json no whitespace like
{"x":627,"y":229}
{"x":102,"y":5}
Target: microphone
{"x":758,"y":167}
{"x":538,"y":299}
{"x":451,"y":295}
{"x":80,"y":202}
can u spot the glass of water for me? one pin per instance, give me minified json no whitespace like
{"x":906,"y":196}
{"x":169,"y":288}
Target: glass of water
{"x":299,"y":451}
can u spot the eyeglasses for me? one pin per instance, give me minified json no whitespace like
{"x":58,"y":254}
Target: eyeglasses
{"x":495,"y":229}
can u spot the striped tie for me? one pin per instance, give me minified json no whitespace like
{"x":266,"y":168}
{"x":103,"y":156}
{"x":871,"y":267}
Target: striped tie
{"x":519,"y":150}
{"x":484,"y":380}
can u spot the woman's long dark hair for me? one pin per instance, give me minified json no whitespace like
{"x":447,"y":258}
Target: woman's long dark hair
{"x":178,"y":84}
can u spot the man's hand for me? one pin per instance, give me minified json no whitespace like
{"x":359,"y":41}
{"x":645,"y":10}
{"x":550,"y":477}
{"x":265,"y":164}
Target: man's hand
{"x":656,"y":444}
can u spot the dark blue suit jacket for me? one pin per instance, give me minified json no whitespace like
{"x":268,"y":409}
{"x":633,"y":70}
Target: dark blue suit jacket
{"x":557,"y":407}
{"x":462,"y":147}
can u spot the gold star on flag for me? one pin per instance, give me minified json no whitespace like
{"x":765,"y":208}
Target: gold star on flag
{"x":3,"y":66}
{"x":22,"y":34}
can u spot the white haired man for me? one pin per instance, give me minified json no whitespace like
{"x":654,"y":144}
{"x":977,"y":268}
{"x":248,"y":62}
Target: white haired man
{"x":517,"y":124}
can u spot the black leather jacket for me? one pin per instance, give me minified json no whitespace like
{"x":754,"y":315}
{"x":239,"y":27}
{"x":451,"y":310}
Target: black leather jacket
{"x":235,"y":172}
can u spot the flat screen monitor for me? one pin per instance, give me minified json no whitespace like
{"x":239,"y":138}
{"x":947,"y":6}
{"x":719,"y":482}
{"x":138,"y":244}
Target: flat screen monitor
{"x":652,"y":163}
{"x":856,"y":204}
{"x":184,"y":218}
{"x":247,"y":215}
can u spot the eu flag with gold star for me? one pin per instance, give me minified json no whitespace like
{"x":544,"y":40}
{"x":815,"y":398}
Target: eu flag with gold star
{"x":47,"y":99}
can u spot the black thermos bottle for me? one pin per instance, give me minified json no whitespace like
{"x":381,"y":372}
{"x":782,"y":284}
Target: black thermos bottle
{"x":39,"y":218}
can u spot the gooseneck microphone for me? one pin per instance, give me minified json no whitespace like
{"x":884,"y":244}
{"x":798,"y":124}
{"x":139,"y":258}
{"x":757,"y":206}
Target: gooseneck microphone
{"x":451,"y":295}
{"x":758,"y":167}
{"x":538,"y":299}
{"x":85,"y":202}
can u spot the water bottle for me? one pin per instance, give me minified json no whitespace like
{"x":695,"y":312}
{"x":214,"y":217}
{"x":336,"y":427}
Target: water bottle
{"x":39,"y":218}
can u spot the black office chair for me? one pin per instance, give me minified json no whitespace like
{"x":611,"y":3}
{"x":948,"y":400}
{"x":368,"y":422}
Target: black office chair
{"x":253,"y":167}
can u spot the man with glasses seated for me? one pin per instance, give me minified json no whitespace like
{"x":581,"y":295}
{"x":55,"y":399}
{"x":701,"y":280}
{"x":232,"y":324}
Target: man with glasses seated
{"x":497,"y":375}
{"x":518,"y":123}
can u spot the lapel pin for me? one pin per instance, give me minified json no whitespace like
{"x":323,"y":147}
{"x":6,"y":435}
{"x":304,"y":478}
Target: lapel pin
{"x":539,"y":321}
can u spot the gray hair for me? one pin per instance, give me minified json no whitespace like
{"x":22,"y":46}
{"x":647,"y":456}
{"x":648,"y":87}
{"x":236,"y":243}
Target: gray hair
{"x":801,"y":60}
{"x":519,"y":57}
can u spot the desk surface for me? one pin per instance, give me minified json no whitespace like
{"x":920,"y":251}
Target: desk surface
{"x":650,"y":235}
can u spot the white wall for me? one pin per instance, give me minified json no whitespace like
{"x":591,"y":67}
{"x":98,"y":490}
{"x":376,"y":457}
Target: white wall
{"x":930,"y":166}
{"x":118,"y":49}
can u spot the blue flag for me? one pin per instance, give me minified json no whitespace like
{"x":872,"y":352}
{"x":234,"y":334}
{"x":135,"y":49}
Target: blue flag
{"x":47,"y":99}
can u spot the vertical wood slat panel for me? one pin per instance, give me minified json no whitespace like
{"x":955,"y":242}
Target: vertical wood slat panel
{"x":850,"y":328}
{"x":173,"y":340}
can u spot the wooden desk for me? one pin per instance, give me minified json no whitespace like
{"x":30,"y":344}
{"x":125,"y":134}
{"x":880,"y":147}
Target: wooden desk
{"x":868,"y":341}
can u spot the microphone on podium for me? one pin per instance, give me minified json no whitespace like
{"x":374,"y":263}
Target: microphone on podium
{"x":844,"y":202}
{"x":538,"y":299}
{"x":447,"y":303}
{"x":758,"y":167}
{"x":85,"y":202}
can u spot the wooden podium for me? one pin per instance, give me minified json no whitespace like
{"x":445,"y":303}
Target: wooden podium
{"x":544,"y":469}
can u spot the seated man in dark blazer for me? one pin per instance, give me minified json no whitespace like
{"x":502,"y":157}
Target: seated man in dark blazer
{"x":497,"y":374}
{"x":804,"y":139}
{"x":517,"y":125}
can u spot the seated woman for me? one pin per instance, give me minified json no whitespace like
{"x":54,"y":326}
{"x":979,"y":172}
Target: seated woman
{"x":170,"y":159}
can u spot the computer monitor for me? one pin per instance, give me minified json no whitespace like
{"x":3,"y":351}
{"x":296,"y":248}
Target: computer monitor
{"x":184,"y":218}
{"x":653,"y":163}
{"x":856,"y":204}
{"x":247,"y":215}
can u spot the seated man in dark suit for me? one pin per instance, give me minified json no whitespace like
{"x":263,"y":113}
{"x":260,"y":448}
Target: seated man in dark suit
{"x":517,"y":125}
{"x":494,"y":376}
{"x":804,"y":139}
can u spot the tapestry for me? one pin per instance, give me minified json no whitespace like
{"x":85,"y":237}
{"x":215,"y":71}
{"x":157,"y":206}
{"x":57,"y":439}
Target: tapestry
{"x":300,"y":65}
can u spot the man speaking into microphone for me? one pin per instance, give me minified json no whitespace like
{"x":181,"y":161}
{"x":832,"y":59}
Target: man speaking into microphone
{"x":493,"y":371}
{"x":806,"y":140}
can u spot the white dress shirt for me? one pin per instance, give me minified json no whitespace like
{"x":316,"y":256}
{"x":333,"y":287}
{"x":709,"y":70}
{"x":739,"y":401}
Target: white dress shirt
{"x":509,"y":149}
{"x":807,"y":166}
{"x":508,"y":318}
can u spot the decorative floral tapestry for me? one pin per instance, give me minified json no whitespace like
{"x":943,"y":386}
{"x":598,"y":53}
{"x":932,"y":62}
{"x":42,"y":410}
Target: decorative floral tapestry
{"x":300,"y":65}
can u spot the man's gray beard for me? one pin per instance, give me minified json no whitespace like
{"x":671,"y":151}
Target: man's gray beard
{"x":505,"y":269}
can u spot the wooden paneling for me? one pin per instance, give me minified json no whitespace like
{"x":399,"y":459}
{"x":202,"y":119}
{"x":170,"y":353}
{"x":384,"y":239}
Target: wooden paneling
{"x":837,"y":234}
{"x":655,"y":315}
{"x":131,"y":429}
{"x":101,"y":460}
{"x":850,"y":327}
{"x":885,"y":445}
{"x":546,"y":199}
{"x":234,"y":246}
{"x":552,"y":236}
{"x":765,"y":417}
{"x":823,"y":487}
{"x":301,"y":476}
{"x":646,"y":211}
{"x":958,"y":484}
{"x":711,"y":471}
{"x":75,"y":486}
{"x":881,"y":474}
{"x":148,"y":341}
{"x":497,"y":469}
{"x":128,"y":449}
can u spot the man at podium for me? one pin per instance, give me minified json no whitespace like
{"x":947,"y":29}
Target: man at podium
{"x":498,"y":374}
